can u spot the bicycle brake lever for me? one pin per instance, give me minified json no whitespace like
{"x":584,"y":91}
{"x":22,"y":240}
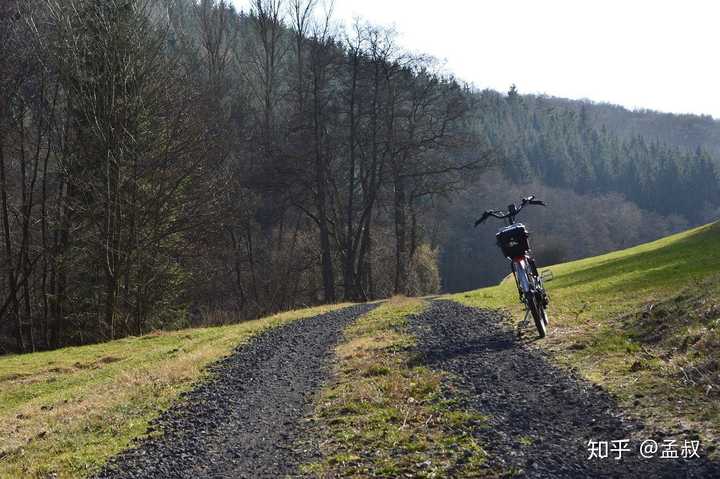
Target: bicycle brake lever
{"x":485,"y":216}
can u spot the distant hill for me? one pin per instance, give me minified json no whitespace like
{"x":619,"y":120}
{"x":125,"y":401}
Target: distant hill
{"x":613,"y":178}
{"x":682,"y":130}
{"x":662,"y":162}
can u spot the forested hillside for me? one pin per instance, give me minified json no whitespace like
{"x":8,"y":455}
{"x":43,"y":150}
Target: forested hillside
{"x":572,"y":148}
{"x":607,"y":187}
{"x":683,"y":130}
{"x":166,"y":163}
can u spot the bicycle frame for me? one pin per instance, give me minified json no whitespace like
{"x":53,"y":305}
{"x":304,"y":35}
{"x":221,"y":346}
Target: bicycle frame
{"x":520,"y":270}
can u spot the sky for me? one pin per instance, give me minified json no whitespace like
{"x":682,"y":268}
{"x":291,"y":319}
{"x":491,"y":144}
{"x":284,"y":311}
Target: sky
{"x":661,"y":55}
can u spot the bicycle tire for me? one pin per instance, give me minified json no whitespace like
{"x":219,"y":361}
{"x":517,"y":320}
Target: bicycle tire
{"x":537,"y":311}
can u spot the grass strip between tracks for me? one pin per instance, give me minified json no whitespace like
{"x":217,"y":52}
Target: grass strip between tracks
{"x":386,"y":415}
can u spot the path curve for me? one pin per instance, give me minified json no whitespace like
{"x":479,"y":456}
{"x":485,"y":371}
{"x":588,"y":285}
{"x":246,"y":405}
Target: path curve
{"x":530,"y":400}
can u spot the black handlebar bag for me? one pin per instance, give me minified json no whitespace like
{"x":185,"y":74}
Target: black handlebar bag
{"x":513,"y":240}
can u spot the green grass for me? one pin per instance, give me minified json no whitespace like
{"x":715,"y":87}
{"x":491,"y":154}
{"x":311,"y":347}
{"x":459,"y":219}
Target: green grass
{"x":65,"y":412}
{"x":643,"y":322}
{"x":386,"y":416}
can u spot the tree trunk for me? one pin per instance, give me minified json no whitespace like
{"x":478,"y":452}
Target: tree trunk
{"x":12,"y":283}
{"x":400,"y":236}
{"x":349,"y":257}
{"x":327,"y":263}
{"x":321,"y":198}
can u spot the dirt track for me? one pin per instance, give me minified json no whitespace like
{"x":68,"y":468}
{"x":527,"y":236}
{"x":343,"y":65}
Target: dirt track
{"x":245,"y":421}
{"x":248,"y":421}
{"x":541,"y":417}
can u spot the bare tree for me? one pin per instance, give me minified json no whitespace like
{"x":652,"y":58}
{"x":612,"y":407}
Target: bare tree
{"x":173,"y":162}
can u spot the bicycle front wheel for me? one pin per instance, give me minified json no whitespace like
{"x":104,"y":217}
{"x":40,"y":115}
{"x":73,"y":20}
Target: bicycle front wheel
{"x":539,"y":316}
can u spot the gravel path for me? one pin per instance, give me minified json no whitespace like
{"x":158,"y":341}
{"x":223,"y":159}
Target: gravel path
{"x":245,"y":421}
{"x":530,"y":401}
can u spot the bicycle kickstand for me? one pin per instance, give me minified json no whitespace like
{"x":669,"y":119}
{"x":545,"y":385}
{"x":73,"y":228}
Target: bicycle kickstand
{"x":523,"y":324}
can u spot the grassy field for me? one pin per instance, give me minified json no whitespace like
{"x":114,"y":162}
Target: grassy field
{"x":64,"y":412}
{"x":386,"y":416}
{"x":642,"y":322}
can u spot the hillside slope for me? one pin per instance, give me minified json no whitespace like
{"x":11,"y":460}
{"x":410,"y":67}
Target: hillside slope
{"x":642,"y":322}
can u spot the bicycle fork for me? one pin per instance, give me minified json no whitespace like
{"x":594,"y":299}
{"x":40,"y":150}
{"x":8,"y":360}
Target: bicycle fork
{"x":520,"y":268}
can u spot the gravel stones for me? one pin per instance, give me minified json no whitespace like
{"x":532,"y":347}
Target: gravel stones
{"x":246,"y":420}
{"x":541,"y":417}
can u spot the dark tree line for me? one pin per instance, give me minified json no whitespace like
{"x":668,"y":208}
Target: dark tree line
{"x":682,"y":130}
{"x":608,"y":188}
{"x":166,"y":163}
{"x":573,"y":226}
{"x":565,"y":148}
{"x":174,"y":162}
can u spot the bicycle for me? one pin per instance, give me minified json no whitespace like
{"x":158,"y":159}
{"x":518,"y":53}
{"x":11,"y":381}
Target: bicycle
{"x":513,"y":240}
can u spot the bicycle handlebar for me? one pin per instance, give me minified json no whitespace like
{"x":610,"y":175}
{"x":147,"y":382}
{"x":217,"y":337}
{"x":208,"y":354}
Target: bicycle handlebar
{"x":513,"y":210}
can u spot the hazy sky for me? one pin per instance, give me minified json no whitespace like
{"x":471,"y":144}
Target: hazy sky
{"x":661,"y":55}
